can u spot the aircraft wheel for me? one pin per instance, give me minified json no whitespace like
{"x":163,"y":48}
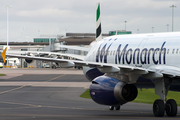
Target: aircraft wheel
{"x":111,"y":107}
{"x":117,"y":107}
{"x":158,"y":108}
{"x":171,"y":108}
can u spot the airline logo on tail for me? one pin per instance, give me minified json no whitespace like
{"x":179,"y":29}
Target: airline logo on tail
{"x":98,"y":23}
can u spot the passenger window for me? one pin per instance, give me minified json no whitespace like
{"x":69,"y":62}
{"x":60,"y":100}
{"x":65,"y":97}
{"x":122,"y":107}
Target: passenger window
{"x":162,"y":51}
{"x":177,"y":51}
{"x":173,"y":51}
{"x":122,"y":52}
{"x":149,"y":52}
{"x":157,"y":51}
{"x":168,"y":51}
{"x":125,"y":52}
{"x":105,"y":53}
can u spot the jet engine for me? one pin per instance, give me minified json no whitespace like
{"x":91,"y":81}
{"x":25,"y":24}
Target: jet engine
{"x":110,"y":91}
{"x":29,"y":60}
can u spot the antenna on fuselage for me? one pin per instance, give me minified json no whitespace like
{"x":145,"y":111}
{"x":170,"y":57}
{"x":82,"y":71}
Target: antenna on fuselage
{"x":98,"y":24}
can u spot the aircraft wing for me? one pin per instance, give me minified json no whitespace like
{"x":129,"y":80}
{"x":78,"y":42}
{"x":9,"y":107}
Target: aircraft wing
{"x":74,"y":47}
{"x":104,"y":67}
{"x":170,"y":71}
{"x":79,"y":57}
{"x":153,"y":72}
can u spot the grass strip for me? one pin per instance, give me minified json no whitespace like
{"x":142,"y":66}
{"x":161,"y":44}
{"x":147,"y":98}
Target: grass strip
{"x":86,"y":94}
{"x":145,"y":96}
{"x":2,"y":74}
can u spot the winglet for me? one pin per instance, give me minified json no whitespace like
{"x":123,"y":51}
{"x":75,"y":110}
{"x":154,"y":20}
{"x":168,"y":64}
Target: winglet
{"x":3,"y":54}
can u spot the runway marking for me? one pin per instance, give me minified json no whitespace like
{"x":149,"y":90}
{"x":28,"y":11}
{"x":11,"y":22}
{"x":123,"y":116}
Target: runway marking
{"x":71,"y":116}
{"x":30,"y":84}
{"x":13,"y":89}
{"x":54,"y":78}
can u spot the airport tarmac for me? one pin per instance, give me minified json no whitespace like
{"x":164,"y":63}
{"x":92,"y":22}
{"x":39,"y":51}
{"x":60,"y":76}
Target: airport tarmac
{"x":48,"y":94}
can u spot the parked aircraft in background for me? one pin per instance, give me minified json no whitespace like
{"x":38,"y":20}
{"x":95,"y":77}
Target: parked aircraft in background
{"x":118,"y":64}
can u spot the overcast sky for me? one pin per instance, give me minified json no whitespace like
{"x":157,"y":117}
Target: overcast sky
{"x":50,"y":17}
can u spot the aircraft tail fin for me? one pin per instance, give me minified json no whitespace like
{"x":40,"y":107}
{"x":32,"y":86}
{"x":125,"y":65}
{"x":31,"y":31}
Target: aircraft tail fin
{"x":98,"y":24}
{"x":3,"y":54}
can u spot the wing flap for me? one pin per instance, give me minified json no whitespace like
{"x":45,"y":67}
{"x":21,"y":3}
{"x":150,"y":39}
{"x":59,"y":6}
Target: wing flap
{"x":170,"y":71}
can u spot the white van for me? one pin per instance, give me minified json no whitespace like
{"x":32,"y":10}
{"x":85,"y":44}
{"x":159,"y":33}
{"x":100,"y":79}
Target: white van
{"x":1,"y":65}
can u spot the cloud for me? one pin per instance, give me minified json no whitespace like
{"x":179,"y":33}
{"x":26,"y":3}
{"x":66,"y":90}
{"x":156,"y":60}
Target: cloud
{"x":54,"y":16}
{"x":43,"y":12}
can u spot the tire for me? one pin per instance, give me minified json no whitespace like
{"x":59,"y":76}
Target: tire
{"x":171,"y":108}
{"x":53,"y":67}
{"x":117,"y":107}
{"x":111,"y":107}
{"x":158,"y":108}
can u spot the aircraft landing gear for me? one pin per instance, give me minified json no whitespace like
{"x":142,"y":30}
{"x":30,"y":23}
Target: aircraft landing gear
{"x":111,"y":107}
{"x":116,"y":107}
{"x":158,"y":108}
{"x":171,"y":107}
{"x":161,"y":105}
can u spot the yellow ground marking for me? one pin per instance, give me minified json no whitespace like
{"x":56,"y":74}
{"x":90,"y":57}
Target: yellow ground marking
{"x":54,"y":78}
{"x":13,"y":89}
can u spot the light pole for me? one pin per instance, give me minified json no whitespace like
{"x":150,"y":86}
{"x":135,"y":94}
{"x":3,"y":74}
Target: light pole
{"x":125,"y":25}
{"x":39,"y":32}
{"x":167,"y":27}
{"x":7,"y":6}
{"x":152,"y":29}
{"x":22,"y":34}
{"x":173,"y":6}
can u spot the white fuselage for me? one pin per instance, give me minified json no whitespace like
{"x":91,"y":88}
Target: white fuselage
{"x":141,"y":50}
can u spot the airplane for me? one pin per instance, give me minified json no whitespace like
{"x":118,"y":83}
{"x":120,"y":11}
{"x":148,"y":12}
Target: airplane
{"x":119,"y":64}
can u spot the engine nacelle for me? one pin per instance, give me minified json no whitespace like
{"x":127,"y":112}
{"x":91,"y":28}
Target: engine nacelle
{"x":110,"y":91}
{"x":29,"y":60}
